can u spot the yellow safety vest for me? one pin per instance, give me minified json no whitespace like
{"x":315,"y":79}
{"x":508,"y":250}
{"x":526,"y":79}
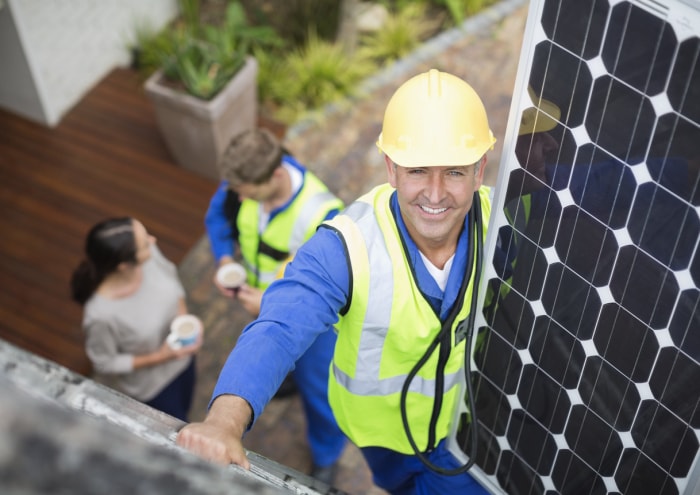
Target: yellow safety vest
{"x":385,"y":332}
{"x":264,"y":254}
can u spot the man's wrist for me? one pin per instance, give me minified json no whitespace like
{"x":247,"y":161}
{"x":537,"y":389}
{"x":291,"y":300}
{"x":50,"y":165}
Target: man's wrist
{"x":232,"y":413}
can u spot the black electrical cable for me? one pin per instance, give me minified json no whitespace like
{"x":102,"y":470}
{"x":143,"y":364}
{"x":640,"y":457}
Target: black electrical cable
{"x":475,"y":229}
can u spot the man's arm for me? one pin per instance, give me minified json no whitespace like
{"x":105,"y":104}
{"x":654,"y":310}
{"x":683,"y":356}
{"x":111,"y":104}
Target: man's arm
{"x":295,"y":310}
{"x":218,"y":227}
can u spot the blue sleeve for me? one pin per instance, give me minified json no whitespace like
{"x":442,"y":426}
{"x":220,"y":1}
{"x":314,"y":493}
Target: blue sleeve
{"x":331,"y":214}
{"x":218,"y":227}
{"x":295,"y":310}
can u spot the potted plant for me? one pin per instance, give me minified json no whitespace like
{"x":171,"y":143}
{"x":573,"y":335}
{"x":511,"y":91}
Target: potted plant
{"x":204,"y":90}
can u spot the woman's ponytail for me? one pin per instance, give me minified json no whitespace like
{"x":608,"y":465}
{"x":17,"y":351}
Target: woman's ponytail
{"x":108,"y":244}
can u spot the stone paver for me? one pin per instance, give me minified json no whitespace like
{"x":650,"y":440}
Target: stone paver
{"x":340,"y":148}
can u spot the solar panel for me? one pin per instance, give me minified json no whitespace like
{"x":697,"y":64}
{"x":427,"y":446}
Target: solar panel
{"x":586,"y":363}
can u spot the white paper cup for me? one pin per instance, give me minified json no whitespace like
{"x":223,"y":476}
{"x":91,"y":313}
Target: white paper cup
{"x":184,"y":331}
{"x":231,"y":275}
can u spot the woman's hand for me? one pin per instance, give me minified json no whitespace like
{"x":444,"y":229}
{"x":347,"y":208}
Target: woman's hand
{"x":187,"y":350}
{"x":166,"y":353}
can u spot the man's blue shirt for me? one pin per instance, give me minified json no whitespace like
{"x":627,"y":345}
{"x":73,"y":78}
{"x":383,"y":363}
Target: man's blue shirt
{"x":219,"y":229}
{"x":306,"y":303}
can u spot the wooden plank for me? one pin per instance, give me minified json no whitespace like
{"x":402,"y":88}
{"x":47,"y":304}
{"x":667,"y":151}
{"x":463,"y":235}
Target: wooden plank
{"x":106,"y":158}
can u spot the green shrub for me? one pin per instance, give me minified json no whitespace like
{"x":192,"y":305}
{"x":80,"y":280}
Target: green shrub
{"x":401,"y":34}
{"x":311,"y":76}
{"x":204,"y":49}
{"x":461,"y":9}
{"x":202,"y":58}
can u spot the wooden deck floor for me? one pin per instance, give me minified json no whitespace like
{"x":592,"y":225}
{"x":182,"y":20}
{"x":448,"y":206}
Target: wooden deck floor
{"x":106,"y":158}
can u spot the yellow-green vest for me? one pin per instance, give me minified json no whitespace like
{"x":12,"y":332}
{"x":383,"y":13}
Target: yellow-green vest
{"x":385,"y":332}
{"x":263,"y":254}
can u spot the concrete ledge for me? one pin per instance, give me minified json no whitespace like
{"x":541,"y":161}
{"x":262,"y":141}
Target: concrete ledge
{"x":64,"y":433}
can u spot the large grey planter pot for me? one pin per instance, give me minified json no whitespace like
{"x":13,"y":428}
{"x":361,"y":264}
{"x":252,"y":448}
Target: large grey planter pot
{"x":196,"y":131}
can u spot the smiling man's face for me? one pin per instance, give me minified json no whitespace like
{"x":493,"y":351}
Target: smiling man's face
{"x":435,"y":200}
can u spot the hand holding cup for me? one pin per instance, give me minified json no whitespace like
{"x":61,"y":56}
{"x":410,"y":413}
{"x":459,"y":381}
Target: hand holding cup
{"x":184,"y":331}
{"x":230,"y":277}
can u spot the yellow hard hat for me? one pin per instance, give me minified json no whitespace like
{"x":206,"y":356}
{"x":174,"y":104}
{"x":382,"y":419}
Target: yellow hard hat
{"x":435,"y":119}
{"x":542,"y":120}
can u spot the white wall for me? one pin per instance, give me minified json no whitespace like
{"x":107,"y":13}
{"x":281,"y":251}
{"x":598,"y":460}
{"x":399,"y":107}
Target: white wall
{"x":52,"y":53}
{"x":18,"y":92}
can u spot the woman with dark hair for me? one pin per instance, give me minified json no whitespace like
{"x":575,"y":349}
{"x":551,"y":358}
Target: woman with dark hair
{"x":130,"y":294}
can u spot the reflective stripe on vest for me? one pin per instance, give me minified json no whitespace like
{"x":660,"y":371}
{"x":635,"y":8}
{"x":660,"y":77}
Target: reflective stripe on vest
{"x":386,"y":330}
{"x":285,"y":233}
{"x":367,"y":379}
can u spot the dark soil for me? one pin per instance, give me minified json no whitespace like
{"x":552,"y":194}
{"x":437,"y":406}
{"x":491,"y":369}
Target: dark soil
{"x":291,"y":19}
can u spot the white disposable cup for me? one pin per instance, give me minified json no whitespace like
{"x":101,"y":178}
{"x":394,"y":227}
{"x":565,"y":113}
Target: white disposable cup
{"x":184,"y":331}
{"x":231,"y":275}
